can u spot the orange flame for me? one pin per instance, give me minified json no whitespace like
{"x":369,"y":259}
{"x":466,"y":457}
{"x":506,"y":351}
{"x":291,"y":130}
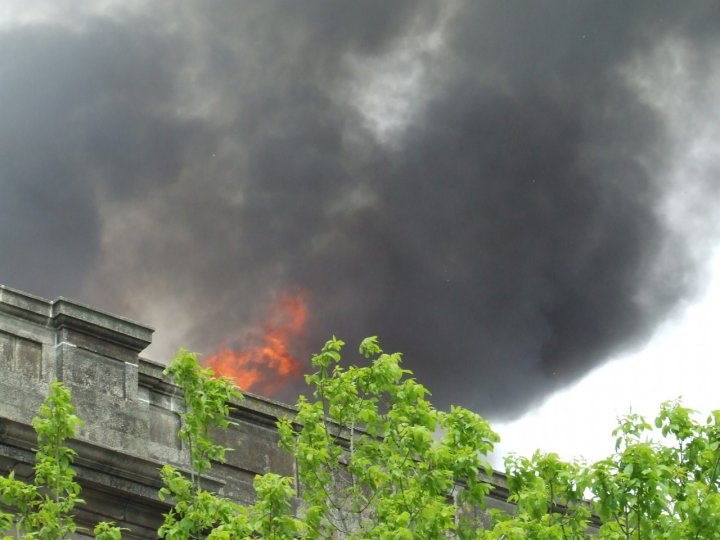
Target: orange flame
{"x":265,"y":366}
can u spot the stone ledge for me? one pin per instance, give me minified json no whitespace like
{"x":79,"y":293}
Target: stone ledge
{"x":25,"y":305}
{"x":131,"y":475}
{"x":64,"y":313}
{"x":84,"y":319}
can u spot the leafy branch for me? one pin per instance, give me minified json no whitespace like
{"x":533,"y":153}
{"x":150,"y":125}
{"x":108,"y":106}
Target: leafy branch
{"x":44,"y":509}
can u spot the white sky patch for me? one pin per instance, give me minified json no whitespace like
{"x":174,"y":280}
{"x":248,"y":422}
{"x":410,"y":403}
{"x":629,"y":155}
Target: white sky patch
{"x":388,"y":90}
{"x":683,"y":356}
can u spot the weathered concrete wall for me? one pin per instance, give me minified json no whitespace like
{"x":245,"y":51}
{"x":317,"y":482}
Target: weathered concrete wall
{"x":129,"y":409}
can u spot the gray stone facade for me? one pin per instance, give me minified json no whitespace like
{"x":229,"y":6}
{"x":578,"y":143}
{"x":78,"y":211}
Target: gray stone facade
{"x":129,"y":409}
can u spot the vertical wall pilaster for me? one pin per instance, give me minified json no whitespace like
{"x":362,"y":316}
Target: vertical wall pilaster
{"x":96,"y":350}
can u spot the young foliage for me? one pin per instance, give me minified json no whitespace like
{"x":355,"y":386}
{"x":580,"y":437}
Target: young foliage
{"x":375,"y":459}
{"x":199,"y":513}
{"x":207,"y":406}
{"x":661,"y":487}
{"x":549,"y":494}
{"x":44,"y":509}
{"x":196,"y":510}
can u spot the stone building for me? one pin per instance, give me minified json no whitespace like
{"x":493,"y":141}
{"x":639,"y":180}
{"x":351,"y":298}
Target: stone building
{"x":129,"y":409}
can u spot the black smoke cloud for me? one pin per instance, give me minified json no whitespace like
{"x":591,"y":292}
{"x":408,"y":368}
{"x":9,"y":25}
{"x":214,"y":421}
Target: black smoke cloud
{"x":184,"y":165}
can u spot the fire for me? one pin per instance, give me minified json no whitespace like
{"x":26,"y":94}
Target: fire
{"x":265,"y":365}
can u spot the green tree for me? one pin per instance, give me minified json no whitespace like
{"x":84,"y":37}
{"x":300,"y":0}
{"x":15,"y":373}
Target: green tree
{"x":660,"y":485}
{"x":550,"y":498}
{"x":207,"y":407}
{"x":376,"y":460}
{"x":44,"y":509}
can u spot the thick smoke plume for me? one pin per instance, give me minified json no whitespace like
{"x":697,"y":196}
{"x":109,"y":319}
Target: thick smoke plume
{"x":483,"y":184}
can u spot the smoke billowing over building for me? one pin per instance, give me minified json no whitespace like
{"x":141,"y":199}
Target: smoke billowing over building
{"x":509,"y":193}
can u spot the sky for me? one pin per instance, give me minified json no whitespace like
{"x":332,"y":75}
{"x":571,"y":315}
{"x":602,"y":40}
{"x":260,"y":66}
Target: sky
{"x":521,"y":197}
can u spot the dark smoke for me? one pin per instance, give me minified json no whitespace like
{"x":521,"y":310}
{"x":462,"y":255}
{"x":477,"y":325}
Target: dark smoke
{"x":182,"y":167}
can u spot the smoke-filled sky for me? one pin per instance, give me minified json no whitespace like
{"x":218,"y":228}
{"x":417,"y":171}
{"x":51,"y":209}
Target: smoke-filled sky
{"x":511,"y":193}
